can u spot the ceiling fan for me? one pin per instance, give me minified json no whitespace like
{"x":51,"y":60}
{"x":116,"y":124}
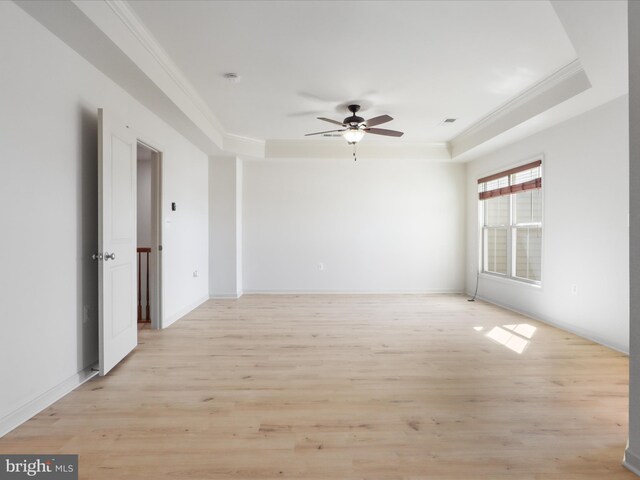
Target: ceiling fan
{"x":356,"y":127}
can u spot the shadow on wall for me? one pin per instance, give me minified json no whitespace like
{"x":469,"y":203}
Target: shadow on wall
{"x":87,"y":244}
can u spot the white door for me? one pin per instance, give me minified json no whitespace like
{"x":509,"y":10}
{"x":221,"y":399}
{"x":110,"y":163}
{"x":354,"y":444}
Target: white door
{"x":117,"y":229}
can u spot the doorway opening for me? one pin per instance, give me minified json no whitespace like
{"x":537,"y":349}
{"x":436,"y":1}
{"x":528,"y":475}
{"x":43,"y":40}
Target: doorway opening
{"x":149,"y":234}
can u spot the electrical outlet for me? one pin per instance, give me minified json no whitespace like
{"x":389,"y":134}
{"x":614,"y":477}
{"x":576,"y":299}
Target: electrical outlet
{"x":574,"y":289}
{"x":320,"y":266}
{"x":195,"y":273}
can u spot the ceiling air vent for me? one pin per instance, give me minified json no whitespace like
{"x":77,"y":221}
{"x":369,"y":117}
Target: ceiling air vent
{"x":231,"y":77}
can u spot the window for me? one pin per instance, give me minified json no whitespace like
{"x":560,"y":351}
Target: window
{"x":511,"y":219}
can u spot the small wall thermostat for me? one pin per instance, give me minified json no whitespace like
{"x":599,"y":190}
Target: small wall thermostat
{"x":173,"y":206}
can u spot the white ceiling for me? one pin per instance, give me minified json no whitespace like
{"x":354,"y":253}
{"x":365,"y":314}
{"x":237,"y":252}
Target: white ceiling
{"x":505,"y":69}
{"x":420,"y":62}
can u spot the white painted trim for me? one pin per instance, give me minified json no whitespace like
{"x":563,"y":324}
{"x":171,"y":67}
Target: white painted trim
{"x":117,"y":20}
{"x":169,"y":78}
{"x":184,"y":311}
{"x":561,"y":85}
{"x":631,"y":461}
{"x":339,"y":149}
{"x":244,"y":146}
{"x":526,"y":96}
{"x":494,"y":277}
{"x":225,"y":296}
{"x":38,"y":404}
{"x":128,"y":17}
{"x":557,"y":324}
{"x":354,"y":292}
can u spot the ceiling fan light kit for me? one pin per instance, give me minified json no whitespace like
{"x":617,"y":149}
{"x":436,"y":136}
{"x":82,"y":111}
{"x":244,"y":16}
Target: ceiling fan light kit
{"x":353,"y":135}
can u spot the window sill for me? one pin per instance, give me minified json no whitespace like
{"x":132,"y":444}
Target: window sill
{"x":510,"y":281}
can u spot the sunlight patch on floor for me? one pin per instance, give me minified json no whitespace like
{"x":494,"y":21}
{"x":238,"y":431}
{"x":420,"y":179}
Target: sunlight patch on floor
{"x":515,"y":337}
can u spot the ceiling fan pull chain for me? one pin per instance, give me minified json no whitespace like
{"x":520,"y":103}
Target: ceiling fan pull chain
{"x":354,"y":153}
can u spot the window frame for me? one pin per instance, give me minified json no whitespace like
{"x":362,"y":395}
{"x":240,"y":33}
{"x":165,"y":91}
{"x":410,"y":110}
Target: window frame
{"x":511,"y":277}
{"x":485,"y":227}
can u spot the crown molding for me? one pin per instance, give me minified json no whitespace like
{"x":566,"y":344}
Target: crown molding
{"x":244,"y":146}
{"x":556,"y":78}
{"x":140,"y":32}
{"x":561,"y":85}
{"x":129,"y":18}
{"x":118,"y":21}
{"x":339,"y":149}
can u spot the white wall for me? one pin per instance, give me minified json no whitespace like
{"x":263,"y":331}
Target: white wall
{"x":185,"y":232}
{"x":374,"y":225}
{"x":225,"y":213}
{"x":48,"y":186}
{"x":585,"y":233}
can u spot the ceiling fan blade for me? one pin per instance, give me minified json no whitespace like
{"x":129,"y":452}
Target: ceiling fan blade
{"x":322,"y":133}
{"x":378,"y":120}
{"x":384,"y":131}
{"x":331,"y":121}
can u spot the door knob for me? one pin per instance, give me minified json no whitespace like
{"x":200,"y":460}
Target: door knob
{"x":96,"y":256}
{"x":109,"y":256}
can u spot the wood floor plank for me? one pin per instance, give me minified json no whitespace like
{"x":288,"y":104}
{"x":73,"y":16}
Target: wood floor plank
{"x":347,"y":387}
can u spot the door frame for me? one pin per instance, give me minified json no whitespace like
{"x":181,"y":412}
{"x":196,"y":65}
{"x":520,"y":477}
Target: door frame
{"x":155,"y":280}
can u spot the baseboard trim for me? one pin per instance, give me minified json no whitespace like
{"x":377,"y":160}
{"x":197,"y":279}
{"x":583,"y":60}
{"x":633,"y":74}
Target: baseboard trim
{"x":631,"y":462}
{"x":554,"y":323}
{"x":182,"y":312}
{"x":226,"y":296}
{"x":48,"y":398}
{"x":354,"y":292}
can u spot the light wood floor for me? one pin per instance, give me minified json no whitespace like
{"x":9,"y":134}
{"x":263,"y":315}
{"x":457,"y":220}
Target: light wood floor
{"x":346,"y":387}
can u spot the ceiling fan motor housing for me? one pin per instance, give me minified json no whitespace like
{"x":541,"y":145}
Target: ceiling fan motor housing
{"x":353,"y":120}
